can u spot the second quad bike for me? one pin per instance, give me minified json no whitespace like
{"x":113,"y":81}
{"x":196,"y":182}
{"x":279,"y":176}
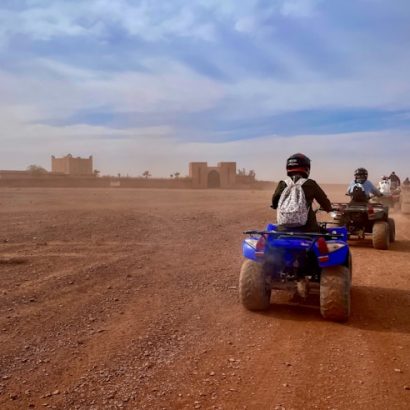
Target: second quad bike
{"x":299,"y":262}
{"x":363,"y":219}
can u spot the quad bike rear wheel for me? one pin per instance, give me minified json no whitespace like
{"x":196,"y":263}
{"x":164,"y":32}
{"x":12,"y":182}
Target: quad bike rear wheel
{"x":254,"y":292}
{"x":392,"y":230}
{"x":335,"y":293}
{"x":381,"y":235}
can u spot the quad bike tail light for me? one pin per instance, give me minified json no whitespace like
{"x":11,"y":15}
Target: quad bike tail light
{"x":370,"y":209}
{"x":322,"y":246}
{"x":323,"y":250}
{"x":260,"y":246}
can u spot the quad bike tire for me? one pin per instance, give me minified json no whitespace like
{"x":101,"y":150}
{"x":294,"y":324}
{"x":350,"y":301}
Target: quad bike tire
{"x":350,"y":266}
{"x":392,"y":230}
{"x":335,"y":293}
{"x":254,"y":292}
{"x":381,"y":235}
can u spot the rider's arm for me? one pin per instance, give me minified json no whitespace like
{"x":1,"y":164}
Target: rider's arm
{"x":373,"y":189}
{"x":350,"y":187}
{"x":322,"y":198}
{"x":276,"y":195}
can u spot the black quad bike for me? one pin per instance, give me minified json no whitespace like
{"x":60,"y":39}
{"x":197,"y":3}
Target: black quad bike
{"x":366,"y":218}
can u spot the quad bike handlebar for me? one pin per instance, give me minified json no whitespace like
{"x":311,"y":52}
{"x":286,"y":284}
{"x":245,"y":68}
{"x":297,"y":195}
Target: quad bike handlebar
{"x":295,"y":234}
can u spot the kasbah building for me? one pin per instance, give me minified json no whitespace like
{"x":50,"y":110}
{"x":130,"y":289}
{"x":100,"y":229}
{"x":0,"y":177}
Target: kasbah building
{"x":72,"y":171}
{"x":70,"y":165}
{"x":202,"y":176}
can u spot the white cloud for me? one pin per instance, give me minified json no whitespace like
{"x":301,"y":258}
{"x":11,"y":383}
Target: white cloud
{"x":245,"y":24}
{"x":299,"y":8}
{"x":171,"y":88}
{"x":150,"y":20}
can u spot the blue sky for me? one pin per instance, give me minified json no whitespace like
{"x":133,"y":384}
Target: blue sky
{"x":156,"y":84}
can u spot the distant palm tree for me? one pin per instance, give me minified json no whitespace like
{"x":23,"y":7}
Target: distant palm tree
{"x":177,"y":174}
{"x":146,"y":174}
{"x":37,"y":170}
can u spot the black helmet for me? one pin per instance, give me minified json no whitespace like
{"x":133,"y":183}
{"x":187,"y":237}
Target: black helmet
{"x":361,"y":174}
{"x":298,"y":163}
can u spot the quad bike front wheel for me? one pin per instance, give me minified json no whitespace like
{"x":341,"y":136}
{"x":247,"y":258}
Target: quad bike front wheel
{"x":335,"y":293}
{"x":392,"y":230}
{"x":381,"y":235}
{"x":254,"y":292}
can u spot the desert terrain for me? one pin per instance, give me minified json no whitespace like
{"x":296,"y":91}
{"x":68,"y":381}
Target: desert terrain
{"x":128,"y":298}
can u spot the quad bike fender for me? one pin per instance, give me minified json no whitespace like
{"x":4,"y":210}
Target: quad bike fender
{"x":249,"y":249}
{"x":249,"y":246}
{"x":338,"y":254}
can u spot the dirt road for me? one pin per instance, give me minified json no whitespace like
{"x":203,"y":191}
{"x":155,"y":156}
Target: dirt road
{"x":128,"y":299}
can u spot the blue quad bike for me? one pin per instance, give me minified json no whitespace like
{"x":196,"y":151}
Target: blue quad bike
{"x":300,"y":262}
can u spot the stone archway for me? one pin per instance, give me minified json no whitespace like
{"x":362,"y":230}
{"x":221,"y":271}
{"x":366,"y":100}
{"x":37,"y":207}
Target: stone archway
{"x":214,"y":179}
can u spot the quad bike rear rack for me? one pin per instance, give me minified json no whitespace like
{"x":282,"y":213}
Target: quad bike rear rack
{"x":305,"y":235}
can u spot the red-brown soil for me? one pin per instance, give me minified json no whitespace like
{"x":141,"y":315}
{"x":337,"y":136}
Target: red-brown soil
{"x":128,"y":299}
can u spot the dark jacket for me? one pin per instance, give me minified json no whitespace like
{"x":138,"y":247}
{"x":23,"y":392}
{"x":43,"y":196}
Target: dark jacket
{"x":394,"y":178}
{"x":312,"y":192}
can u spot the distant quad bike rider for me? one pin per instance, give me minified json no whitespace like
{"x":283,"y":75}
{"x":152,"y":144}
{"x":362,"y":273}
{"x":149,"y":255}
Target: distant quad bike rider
{"x":361,"y":189}
{"x":385,"y":185}
{"x":294,"y":196}
{"x":395,"y":181}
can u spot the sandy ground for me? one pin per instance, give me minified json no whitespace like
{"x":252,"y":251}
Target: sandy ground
{"x":128,"y":299}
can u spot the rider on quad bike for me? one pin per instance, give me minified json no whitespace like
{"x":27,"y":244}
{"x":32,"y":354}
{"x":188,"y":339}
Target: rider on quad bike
{"x":361,"y":189}
{"x":298,"y":170}
{"x":395,"y":180}
{"x":363,"y":217}
{"x":297,"y":255}
{"x":385,"y":185}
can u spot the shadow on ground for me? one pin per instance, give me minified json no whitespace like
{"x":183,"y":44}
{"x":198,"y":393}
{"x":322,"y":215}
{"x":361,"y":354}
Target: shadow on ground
{"x":398,"y":246}
{"x":380,"y":309}
{"x":372,"y":308}
{"x":361,"y":243}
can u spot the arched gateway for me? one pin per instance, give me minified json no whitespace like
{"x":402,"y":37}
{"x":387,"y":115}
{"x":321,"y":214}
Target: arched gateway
{"x":214,"y":180}
{"x":221,"y":176}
